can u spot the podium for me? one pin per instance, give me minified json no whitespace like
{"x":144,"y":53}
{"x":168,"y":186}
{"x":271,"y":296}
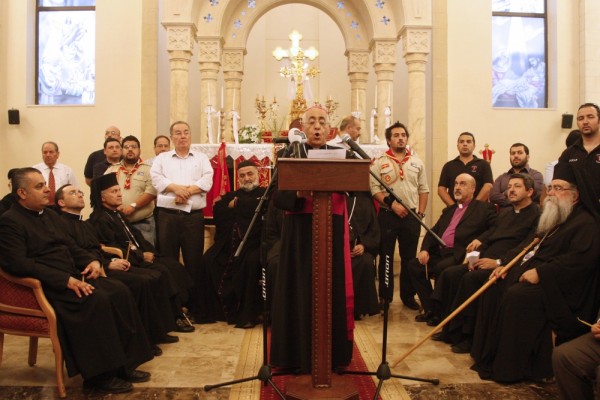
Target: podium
{"x":322,"y":177}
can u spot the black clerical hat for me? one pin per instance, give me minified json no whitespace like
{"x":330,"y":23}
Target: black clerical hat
{"x":99,"y":184}
{"x":247,"y":163}
{"x":564,"y":171}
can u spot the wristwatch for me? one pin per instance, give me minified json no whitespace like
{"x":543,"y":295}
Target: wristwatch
{"x":134,"y":205}
{"x":388,"y":200}
{"x":421,"y":214}
{"x":499,"y":262}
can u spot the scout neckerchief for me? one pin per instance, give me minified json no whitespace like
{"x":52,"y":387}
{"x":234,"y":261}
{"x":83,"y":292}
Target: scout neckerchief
{"x":401,"y":163}
{"x":128,"y":174}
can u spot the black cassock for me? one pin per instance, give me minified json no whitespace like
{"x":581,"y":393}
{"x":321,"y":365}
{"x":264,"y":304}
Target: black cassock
{"x":236,"y":282}
{"x":513,"y":333}
{"x":364,"y":229}
{"x":114,"y":230}
{"x":99,"y":333}
{"x":149,"y":287}
{"x":292,"y":298}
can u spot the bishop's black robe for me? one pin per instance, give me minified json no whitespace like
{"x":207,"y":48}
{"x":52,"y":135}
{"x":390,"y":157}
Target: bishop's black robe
{"x":99,"y":333}
{"x":292,"y":298}
{"x":513,"y":334}
{"x":114,"y":230}
{"x":364,"y":229}
{"x":236,"y":282}
{"x":149,"y":287}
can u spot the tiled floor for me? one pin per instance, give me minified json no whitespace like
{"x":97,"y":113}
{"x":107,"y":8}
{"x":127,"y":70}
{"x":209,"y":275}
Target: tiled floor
{"x":217,"y":353}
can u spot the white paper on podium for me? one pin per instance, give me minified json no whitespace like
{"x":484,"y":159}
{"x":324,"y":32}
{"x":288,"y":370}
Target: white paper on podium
{"x":168,"y":201}
{"x":472,"y":257}
{"x":330,"y":154}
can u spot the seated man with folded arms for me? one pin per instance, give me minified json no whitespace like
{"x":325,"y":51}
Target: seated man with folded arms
{"x":149,"y":287}
{"x":114,"y":230}
{"x":101,"y":334}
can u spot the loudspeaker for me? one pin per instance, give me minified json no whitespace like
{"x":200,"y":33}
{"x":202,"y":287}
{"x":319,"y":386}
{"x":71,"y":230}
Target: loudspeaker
{"x":13,"y":117}
{"x":567,"y":121}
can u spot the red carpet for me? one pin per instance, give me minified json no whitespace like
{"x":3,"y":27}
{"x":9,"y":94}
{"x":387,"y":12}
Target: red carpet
{"x":364,"y":383}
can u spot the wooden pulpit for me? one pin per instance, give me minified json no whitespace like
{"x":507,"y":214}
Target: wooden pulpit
{"x":322,"y":177}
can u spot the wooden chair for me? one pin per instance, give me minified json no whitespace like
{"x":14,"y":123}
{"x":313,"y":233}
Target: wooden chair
{"x":25,"y":311}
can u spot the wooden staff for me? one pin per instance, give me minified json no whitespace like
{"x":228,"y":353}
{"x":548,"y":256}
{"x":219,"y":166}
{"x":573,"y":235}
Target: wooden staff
{"x":464,"y":305}
{"x":128,"y":249}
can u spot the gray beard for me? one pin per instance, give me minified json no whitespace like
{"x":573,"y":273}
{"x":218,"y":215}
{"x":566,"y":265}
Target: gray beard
{"x":555,"y":213}
{"x":248,"y":187}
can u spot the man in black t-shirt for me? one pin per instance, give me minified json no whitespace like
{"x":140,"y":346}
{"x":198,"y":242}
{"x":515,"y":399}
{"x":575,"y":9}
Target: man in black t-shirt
{"x":468,"y":163}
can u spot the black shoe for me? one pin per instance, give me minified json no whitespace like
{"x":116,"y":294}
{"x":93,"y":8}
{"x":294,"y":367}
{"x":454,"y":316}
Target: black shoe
{"x":412,"y":304}
{"x":463,"y":347}
{"x":107,"y":385}
{"x":169,"y":339}
{"x":247,"y":325}
{"x":424,"y":316}
{"x":134,"y":376}
{"x":183,"y":326}
{"x":439,"y":337}
{"x":156,"y":351}
{"x":433,"y":321}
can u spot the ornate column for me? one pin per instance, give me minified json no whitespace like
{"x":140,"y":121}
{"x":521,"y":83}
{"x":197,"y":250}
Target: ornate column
{"x":416,"y":47}
{"x":209,"y":60}
{"x":180,"y":43}
{"x":384,"y":62}
{"x":358,"y":73}
{"x":233,"y":71}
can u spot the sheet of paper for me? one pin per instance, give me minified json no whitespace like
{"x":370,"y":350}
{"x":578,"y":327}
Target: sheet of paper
{"x":472,"y":257}
{"x":168,"y":201}
{"x":330,"y":154}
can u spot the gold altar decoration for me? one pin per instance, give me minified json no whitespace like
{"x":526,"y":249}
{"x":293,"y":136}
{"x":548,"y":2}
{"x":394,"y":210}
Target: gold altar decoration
{"x":298,"y":71}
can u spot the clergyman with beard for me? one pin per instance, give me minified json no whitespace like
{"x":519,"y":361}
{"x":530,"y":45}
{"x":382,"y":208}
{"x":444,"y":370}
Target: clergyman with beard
{"x":519,"y":164}
{"x":237,"y":294}
{"x":552,"y":286}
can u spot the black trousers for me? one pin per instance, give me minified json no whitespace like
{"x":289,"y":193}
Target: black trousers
{"x":406,"y":232}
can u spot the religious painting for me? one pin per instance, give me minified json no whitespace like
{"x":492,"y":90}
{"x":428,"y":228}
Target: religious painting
{"x":66,"y":55}
{"x":519,"y":71}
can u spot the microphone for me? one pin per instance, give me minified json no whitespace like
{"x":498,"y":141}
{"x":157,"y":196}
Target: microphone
{"x":294,"y":135}
{"x":355,"y":147}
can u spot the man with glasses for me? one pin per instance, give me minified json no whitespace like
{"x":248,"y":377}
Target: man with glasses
{"x":585,"y":155}
{"x":552,"y":286}
{"x":98,"y":155}
{"x":182,"y":178}
{"x":135,"y":181}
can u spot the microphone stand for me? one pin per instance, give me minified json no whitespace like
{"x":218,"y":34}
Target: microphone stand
{"x":384,"y":372}
{"x":265,"y":374}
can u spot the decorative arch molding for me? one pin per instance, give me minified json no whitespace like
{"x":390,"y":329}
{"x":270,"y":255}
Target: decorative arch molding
{"x":222,"y":28}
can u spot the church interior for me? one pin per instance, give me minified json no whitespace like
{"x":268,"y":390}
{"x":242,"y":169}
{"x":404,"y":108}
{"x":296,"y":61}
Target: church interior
{"x":226,"y":65}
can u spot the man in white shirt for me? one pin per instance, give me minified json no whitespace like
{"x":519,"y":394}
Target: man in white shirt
{"x":182,"y":178}
{"x":350,"y":125}
{"x":56,"y":174}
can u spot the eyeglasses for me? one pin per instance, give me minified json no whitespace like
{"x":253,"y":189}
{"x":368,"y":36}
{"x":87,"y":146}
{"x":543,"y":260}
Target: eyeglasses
{"x":557,"y":188}
{"x":75,"y":193}
{"x":130,"y":147}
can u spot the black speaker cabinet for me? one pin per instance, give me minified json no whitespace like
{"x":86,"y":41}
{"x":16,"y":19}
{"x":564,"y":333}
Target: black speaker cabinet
{"x":567,"y":121}
{"x":13,"y":117}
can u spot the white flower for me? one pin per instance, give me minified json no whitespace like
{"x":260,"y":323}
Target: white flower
{"x":249,"y":134}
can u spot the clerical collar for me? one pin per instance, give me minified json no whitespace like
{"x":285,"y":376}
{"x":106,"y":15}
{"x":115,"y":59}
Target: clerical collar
{"x":465,"y":204}
{"x":30,"y":211}
{"x":73,"y":216}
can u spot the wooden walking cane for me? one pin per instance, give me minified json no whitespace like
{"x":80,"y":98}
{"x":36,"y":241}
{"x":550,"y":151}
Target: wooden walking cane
{"x":128,"y":249}
{"x":464,"y":305}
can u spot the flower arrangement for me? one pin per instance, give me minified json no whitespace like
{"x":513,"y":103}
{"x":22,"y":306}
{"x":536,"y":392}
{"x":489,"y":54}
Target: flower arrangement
{"x":249,"y":134}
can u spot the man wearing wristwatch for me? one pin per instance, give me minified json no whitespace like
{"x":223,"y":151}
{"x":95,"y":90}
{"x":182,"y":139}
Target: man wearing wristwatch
{"x":404,"y":172}
{"x":133,"y":175}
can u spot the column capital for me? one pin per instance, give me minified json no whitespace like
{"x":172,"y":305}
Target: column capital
{"x":233,"y":60}
{"x":209,"y":49}
{"x":358,"y":61}
{"x":416,"y":39}
{"x":180,"y":36}
{"x":384,"y":51}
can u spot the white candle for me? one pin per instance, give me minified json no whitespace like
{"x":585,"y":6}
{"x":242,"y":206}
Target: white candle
{"x":357,"y":106}
{"x":389,"y":101}
{"x":233,"y":103}
{"x":208,"y":93}
{"x":222,"y":97}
